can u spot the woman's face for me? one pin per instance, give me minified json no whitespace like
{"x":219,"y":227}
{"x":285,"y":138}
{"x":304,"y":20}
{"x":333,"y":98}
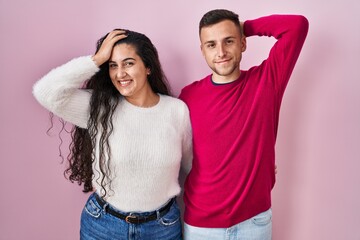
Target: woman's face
{"x":128,"y":72}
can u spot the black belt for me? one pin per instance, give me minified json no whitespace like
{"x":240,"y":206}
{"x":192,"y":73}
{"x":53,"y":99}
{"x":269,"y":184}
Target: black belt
{"x":133,"y":218}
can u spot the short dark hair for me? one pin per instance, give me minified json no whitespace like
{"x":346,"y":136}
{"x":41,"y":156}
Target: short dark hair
{"x":218,"y":15}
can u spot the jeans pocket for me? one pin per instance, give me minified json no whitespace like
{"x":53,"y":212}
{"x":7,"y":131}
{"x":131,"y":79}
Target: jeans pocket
{"x":92,"y":208}
{"x":165,"y":221}
{"x":263,"y":218}
{"x":172,"y":217}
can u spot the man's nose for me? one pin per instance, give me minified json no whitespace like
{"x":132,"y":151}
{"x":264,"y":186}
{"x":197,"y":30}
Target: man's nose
{"x":221,"y":50}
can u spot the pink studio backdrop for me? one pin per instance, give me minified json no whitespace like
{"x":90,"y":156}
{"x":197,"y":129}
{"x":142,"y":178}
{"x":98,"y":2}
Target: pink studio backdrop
{"x":317,"y":194}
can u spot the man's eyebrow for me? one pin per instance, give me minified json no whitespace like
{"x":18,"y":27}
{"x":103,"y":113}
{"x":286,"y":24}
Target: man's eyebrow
{"x":213,"y":41}
{"x":210,"y":41}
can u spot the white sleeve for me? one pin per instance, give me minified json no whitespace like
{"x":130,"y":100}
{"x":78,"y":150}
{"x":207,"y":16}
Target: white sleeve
{"x":59,"y":90}
{"x":187,"y":149}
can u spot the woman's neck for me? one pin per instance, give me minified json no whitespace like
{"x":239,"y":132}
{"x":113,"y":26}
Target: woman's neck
{"x":144,"y":101}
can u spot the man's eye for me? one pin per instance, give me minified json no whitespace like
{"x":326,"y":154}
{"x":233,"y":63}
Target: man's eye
{"x":210,"y":45}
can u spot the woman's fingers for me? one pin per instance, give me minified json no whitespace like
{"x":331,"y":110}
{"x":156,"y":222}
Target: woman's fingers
{"x":116,"y":33}
{"x":107,"y":45}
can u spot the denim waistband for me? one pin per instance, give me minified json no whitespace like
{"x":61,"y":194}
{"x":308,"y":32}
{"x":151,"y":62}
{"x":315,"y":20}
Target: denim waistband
{"x":135,"y":218}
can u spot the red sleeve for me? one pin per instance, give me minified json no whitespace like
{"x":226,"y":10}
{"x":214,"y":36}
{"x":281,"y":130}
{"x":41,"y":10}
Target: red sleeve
{"x":290,"y":32}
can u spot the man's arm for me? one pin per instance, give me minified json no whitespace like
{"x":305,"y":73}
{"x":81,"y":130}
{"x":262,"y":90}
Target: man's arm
{"x":290,"y":32}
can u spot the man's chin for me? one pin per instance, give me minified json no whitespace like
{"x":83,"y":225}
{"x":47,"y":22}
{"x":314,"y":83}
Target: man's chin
{"x":224,"y":72}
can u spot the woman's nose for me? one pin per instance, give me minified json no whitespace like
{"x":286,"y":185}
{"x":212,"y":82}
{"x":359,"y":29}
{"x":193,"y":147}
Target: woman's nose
{"x":120,"y":73}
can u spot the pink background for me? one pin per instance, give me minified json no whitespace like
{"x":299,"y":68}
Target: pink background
{"x":317,"y":195}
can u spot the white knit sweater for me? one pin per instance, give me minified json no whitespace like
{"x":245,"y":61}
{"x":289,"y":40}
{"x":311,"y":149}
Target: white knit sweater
{"x":147,"y":144}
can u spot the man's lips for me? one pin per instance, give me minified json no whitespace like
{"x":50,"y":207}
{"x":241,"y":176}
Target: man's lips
{"x":222,"y":61}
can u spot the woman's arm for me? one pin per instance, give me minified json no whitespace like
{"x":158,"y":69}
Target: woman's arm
{"x":59,"y":90}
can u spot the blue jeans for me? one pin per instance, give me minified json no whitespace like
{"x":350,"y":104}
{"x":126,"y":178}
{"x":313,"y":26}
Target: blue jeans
{"x":98,"y":224}
{"x":255,"y":228}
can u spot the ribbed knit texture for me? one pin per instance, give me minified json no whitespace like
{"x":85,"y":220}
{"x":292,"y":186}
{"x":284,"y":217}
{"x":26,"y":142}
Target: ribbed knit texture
{"x":147,"y":144}
{"x":235,"y":128}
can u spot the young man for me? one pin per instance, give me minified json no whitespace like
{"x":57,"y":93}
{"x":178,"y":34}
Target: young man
{"x":234,"y":115}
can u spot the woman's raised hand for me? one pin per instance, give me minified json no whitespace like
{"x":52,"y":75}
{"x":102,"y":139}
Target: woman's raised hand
{"x":107,"y":45}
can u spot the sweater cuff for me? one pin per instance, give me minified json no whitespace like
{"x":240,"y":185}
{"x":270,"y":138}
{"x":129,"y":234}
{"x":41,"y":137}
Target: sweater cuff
{"x":247,"y":28}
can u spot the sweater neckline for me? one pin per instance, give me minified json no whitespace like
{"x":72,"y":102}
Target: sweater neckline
{"x":132,"y":107}
{"x":228,"y":83}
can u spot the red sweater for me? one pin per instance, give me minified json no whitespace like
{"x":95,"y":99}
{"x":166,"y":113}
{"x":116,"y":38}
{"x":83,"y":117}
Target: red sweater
{"x":234,"y":130}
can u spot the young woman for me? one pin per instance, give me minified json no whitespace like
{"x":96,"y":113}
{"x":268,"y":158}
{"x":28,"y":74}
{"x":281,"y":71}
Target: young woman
{"x":129,"y":140}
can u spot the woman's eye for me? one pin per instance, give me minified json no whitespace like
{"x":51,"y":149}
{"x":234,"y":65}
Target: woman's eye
{"x":129,"y":64}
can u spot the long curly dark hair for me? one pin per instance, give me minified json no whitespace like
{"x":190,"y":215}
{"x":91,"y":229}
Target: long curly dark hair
{"x":104,"y":100}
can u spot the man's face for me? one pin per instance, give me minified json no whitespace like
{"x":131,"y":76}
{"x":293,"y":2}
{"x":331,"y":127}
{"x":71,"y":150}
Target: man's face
{"x":222,"y":46}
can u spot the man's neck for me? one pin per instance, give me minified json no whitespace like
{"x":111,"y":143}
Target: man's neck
{"x":218,"y":79}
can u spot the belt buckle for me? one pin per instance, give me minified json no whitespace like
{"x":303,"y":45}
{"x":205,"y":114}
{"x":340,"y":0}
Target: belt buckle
{"x":129,"y":218}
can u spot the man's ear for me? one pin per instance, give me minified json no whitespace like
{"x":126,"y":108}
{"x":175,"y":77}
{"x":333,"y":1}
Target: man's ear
{"x":243,"y":43}
{"x":201,"y":49}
